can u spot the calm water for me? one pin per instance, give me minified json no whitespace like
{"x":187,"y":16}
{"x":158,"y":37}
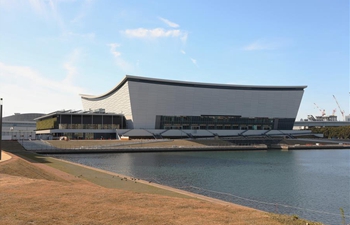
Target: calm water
{"x":312,"y":184}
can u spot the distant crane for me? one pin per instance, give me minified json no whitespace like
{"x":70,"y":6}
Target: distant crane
{"x":341,"y":111}
{"x":323,"y":112}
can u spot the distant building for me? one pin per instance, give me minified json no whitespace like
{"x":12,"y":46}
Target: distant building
{"x":347,"y":118}
{"x":149,"y":103}
{"x":19,"y":126}
{"x":332,"y":118}
{"x":320,"y":121}
{"x":79,"y":124}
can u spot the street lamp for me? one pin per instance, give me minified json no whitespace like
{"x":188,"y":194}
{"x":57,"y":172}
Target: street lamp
{"x":11,"y":133}
{"x":0,"y":125}
{"x":20,"y":140}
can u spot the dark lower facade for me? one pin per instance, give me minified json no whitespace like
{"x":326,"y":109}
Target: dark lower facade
{"x":223,"y":122}
{"x":77,"y":134}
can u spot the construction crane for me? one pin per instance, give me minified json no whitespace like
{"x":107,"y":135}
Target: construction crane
{"x":341,"y":111}
{"x":323,"y":112}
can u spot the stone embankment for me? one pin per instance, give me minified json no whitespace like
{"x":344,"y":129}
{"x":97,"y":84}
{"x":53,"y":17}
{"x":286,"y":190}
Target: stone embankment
{"x":151,"y":149}
{"x":114,"y":146}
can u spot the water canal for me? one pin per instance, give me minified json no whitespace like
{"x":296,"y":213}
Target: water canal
{"x":313,"y":184}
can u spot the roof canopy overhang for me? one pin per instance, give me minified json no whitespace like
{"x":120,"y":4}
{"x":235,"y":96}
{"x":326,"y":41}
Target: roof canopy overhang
{"x":192,"y":84}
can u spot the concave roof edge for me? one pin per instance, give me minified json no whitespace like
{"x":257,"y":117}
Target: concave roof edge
{"x":189,"y":83}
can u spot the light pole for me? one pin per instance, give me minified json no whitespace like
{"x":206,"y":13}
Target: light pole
{"x":21,"y":137}
{"x":0,"y":125}
{"x":11,"y":132}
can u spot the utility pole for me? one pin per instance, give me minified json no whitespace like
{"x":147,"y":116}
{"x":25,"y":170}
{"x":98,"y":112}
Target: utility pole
{"x":0,"y":126}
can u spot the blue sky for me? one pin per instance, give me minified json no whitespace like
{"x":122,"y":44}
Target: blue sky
{"x":53,"y":50}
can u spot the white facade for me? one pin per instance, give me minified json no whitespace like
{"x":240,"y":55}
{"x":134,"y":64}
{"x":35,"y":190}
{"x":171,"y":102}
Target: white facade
{"x":142,"y":99}
{"x":19,"y":126}
{"x":347,"y":118}
{"x":18,"y":132}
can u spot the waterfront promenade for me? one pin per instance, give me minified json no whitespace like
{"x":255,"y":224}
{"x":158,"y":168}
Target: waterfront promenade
{"x":54,"y":191}
{"x":179,"y":145}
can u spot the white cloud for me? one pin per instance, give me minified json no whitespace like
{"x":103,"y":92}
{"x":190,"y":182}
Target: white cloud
{"x":113,"y":48}
{"x":70,"y":67}
{"x":121,"y":63}
{"x":194,"y":62}
{"x":48,"y":9}
{"x":153,"y":33}
{"x":169,"y":23}
{"x":26,"y":90}
{"x":265,"y":45}
{"x":69,"y":34}
{"x":124,"y":65}
{"x":255,"y":46}
{"x":86,"y":5}
{"x":184,"y":37}
{"x":38,"y":6}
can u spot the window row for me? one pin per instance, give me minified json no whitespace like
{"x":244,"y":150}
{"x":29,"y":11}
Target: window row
{"x":215,"y":127}
{"x":214,"y":119}
{"x":88,"y":126}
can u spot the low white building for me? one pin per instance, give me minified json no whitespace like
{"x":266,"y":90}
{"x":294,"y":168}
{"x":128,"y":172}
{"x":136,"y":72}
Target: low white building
{"x":347,"y":118}
{"x":19,"y":126}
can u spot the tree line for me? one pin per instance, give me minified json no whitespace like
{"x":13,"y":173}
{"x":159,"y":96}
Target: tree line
{"x":333,"y":132}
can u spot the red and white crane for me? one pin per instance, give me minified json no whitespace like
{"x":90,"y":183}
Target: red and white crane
{"x":323,"y":112}
{"x":334,"y":111}
{"x":341,"y":111}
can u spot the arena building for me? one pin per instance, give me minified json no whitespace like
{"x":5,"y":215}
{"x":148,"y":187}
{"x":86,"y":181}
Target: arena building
{"x":149,"y":103}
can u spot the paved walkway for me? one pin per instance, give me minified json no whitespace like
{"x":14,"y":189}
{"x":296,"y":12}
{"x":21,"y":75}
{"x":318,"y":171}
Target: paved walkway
{"x":4,"y":156}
